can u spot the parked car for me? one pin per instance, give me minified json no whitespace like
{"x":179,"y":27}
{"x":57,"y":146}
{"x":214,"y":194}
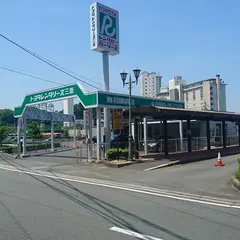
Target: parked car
{"x":117,"y":141}
{"x":155,"y":145}
{"x":120,"y":141}
{"x":9,"y":140}
{"x":94,"y":139}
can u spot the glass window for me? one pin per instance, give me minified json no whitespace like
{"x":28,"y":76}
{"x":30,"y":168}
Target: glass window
{"x":194,"y":96}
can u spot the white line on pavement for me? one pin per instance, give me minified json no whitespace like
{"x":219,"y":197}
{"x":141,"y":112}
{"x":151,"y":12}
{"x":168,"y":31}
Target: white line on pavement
{"x":125,"y":187}
{"x":161,"y":166}
{"x":133,"y":234}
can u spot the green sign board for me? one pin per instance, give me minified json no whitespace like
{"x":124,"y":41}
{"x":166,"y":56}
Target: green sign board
{"x":91,"y":100}
{"x":57,"y":94}
{"x":104,"y":29}
{"x":121,"y":101}
{"x":108,"y":25}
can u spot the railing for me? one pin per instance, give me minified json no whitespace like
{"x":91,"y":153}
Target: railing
{"x":198,"y":143}
{"x":84,"y":148}
{"x":232,"y":140}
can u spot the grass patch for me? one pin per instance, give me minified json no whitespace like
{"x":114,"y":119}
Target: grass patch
{"x":237,"y":173}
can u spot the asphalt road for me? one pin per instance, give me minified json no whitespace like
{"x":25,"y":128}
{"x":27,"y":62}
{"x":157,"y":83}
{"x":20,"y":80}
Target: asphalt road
{"x":37,"y":207}
{"x":202,"y":178}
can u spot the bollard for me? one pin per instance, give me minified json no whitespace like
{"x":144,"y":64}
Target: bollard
{"x":80,"y":153}
{"x":77,"y":157}
{"x":87,"y":149}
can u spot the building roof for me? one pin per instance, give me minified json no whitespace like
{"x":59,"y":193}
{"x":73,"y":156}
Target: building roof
{"x":181,"y":114}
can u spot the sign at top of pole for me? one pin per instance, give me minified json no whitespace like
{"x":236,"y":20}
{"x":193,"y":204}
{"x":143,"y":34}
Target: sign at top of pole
{"x":104,"y":28}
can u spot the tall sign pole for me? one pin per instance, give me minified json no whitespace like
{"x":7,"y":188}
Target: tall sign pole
{"x":104,"y":32}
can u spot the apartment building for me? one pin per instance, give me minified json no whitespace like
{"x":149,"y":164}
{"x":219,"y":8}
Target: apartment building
{"x":150,"y":84}
{"x":209,"y":94}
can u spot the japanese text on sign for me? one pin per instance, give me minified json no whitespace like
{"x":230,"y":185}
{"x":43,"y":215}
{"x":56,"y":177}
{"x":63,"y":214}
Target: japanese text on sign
{"x":165,"y":104}
{"x":104,"y":29}
{"x":93,"y":25}
{"x":52,"y":94}
{"x":119,"y":100}
{"x":21,"y":125}
{"x":86,"y":119}
{"x":117,"y":119}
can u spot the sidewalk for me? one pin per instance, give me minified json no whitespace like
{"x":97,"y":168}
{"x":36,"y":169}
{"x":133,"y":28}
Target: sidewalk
{"x":201,"y":178}
{"x":194,"y":156}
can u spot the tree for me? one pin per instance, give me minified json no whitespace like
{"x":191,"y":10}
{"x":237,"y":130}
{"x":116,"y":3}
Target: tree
{"x":58,"y":127}
{"x":4,"y":131}
{"x":33,"y":131}
{"x":6,"y":117}
{"x":78,"y":110}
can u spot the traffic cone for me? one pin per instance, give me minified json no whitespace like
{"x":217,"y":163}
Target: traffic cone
{"x":219,"y":161}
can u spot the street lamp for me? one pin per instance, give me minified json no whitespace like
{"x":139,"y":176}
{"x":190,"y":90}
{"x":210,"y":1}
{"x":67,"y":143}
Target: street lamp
{"x":130,"y":85}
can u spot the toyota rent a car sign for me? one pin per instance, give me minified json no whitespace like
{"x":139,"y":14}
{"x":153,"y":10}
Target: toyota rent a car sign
{"x":104,"y":29}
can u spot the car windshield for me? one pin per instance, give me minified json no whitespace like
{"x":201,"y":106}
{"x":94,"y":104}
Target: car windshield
{"x":113,"y":137}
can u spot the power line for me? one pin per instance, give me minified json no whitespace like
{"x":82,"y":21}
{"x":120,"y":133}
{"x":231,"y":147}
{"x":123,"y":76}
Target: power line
{"x":30,"y":75}
{"x":57,"y":66}
{"x":47,"y":62}
{"x":100,"y":84}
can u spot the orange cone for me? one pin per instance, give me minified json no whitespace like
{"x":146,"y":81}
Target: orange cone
{"x":219,"y":161}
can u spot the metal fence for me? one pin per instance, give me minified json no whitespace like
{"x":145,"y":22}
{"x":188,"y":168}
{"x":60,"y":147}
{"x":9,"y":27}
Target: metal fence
{"x":86,"y":150}
{"x":198,"y":143}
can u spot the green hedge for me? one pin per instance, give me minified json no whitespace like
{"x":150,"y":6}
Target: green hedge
{"x":117,"y":153}
{"x":40,"y":146}
{"x":30,"y":147}
{"x":237,"y":173}
{"x":6,"y":149}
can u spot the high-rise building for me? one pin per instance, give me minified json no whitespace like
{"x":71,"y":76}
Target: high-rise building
{"x":209,"y":94}
{"x":205,"y":95}
{"x":68,"y":108}
{"x":150,"y":84}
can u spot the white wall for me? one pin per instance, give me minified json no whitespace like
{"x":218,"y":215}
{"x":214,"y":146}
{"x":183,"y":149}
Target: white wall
{"x":68,"y":108}
{"x":192,"y":98}
{"x":149,"y":84}
{"x":177,"y":80}
{"x":223,"y":98}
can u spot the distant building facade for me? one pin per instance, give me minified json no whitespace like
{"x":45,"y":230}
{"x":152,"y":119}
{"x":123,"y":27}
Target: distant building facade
{"x":209,"y":94}
{"x":150,"y":84}
{"x":205,"y":95}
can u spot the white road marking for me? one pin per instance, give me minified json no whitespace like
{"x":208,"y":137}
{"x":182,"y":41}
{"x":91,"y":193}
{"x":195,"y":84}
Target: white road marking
{"x":133,"y":234}
{"x":162,"y":166}
{"x":130,"y":188}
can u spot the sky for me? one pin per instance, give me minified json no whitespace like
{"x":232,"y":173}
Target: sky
{"x":195,"y":39}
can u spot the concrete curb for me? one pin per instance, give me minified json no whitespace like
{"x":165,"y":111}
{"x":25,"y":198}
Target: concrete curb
{"x":163,"y":165}
{"x":112,"y":165}
{"x":235,"y":183}
{"x":25,"y":155}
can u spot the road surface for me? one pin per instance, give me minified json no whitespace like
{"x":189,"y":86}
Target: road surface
{"x":33,"y":206}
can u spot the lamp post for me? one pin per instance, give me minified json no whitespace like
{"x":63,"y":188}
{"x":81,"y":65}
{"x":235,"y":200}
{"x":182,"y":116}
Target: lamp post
{"x":130,"y":85}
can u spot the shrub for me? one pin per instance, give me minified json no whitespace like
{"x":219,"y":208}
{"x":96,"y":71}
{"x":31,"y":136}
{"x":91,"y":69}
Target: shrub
{"x":7,"y":149}
{"x":114,"y":153}
{"x":237,"y":173}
